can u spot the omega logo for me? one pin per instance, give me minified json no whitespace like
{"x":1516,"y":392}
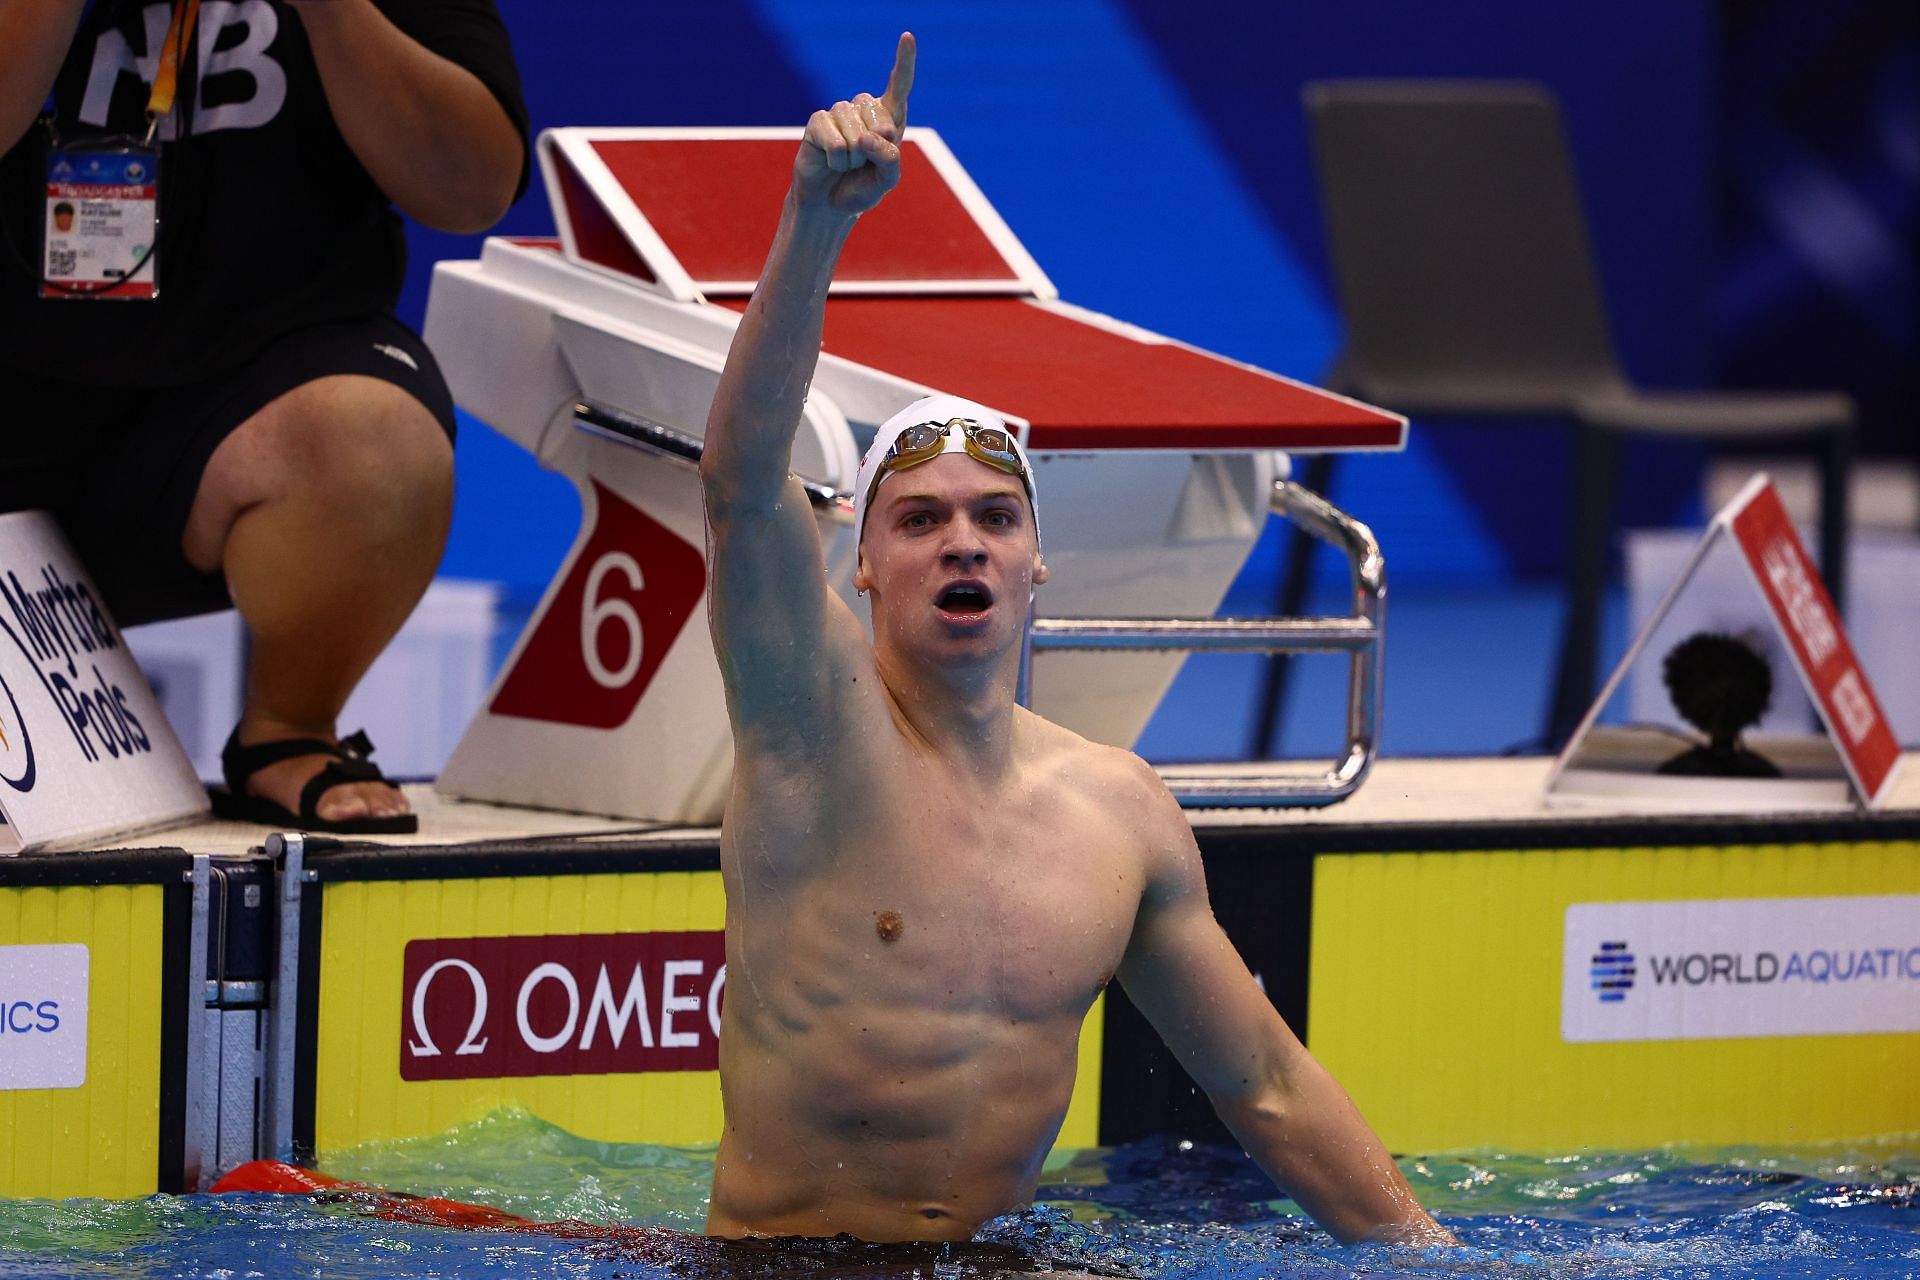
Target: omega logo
{"x":422,"y":1044}
{"x":581,"y":1004}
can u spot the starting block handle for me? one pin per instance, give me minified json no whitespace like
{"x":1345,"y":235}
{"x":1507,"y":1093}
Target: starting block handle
{"x":1361,"y":637}
{"x":631,"y":429}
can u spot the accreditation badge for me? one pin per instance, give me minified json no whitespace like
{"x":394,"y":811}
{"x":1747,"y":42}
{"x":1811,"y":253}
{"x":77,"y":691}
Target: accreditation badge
{"x":103,"y":205}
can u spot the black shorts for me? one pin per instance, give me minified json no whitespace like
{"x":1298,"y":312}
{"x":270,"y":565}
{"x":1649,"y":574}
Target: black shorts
{"x":119,"y":468}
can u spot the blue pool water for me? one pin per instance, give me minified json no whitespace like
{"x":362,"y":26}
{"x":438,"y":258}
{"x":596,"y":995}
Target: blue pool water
{"x":1165,"y":1211}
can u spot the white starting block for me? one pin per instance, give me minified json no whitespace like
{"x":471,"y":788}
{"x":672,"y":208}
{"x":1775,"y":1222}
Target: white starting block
{"x":1158,"y":462}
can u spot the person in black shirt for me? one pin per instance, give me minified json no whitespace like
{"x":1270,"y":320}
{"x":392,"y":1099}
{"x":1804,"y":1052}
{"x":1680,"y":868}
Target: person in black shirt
{"x":263,"y":431}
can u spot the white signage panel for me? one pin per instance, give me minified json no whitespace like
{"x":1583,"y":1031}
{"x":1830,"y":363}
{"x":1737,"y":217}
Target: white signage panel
{"x":1716,"y":968}
{"x":43,"y":1016}
{"x":85,"y":751}
{"x":1611,"y":764}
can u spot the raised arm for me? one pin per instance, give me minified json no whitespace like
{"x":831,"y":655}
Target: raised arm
{"x":34,"y":38}
{"x":1292,"y":1117}
{"x":780,"y":634}
{"x":433,"y":137}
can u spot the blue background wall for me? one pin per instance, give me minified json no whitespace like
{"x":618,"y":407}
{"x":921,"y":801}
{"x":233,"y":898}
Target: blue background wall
{"x":1154,"y":158}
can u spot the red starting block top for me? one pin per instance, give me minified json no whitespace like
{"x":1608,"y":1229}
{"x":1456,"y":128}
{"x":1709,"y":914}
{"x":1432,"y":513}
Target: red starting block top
{"x":1084,"y":384}
{"x":692,"y":211}
{"x":933,"y":288}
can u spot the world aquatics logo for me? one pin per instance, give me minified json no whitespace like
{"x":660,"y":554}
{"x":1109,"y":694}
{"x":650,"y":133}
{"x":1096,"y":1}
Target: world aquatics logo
{"x":1612,"y":972}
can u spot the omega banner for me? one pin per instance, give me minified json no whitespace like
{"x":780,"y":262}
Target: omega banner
{"x":562,"y":1004}
{"x":1741,"y":967}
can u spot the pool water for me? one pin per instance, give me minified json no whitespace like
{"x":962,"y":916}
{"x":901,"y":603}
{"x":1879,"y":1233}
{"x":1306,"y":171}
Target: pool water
{"x":1160,"y":1208}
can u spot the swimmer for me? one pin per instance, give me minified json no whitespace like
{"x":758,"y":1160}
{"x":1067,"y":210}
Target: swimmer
{"x":928,"y":885}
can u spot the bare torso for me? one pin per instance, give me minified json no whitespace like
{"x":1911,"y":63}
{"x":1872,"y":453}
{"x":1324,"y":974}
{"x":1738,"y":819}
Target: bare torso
{"x":909,"y":966}
{"x":927,"y":887}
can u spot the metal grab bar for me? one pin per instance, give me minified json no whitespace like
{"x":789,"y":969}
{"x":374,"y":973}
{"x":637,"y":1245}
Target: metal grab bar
{"x":1361,"y":637}
{"x":1265,"y":635}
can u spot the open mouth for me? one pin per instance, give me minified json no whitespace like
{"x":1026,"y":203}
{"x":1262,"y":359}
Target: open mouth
{"x":963,"y":598}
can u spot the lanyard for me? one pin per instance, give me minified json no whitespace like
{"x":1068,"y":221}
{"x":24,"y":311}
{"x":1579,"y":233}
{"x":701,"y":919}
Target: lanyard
{"x":166,"y":75}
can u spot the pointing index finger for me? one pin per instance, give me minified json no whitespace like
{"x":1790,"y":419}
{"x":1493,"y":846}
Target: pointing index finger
{"x":900,"y":83}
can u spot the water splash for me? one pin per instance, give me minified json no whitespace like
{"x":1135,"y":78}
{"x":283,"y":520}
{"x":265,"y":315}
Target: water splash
{"x":1158,"y":1208}
{"x":516,"y":1161}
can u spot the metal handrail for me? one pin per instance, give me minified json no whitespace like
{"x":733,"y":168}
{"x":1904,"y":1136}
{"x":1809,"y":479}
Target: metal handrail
{"x":1361,"y":637}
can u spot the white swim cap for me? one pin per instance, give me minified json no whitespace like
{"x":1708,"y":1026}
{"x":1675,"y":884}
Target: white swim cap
{"x":942,"y":412}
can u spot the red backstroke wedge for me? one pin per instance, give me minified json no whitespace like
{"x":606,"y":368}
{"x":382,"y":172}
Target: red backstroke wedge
{"x":276,"y":1177}
{"x":686,"y":1254}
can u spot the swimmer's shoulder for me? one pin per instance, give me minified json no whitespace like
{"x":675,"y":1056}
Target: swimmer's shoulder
{"x":1112,"y":777}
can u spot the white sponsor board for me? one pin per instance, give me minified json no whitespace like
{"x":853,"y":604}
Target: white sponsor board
{"x":43,"y":1016}
{"x":85,"y":752}
{"x":1715,"y":968}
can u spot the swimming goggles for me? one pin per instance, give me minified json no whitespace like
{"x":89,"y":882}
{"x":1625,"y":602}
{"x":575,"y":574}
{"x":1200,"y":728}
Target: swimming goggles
{"x":925,"y":441}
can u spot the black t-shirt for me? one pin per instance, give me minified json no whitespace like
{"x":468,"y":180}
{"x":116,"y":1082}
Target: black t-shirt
{"x":268,"y":222}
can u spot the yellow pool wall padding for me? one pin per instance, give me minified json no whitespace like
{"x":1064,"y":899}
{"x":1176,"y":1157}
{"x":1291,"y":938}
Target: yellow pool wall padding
{"x":365,"y":928}
{"x":102,"y":1138}
{"x":1434,"y":997}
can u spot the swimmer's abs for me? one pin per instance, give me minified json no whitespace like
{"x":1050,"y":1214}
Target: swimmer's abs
{"x":921,"y":1172}
{"x":825,"y":1202}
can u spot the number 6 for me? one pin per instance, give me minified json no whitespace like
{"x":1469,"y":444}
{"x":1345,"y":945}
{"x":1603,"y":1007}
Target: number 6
{"x":594,"y":612}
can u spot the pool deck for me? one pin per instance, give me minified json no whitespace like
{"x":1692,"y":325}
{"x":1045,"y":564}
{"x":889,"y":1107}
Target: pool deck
{"x":1399,"y":793}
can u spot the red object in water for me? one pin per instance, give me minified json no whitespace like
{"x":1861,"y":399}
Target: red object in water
{"x":279,"y":1178}
{"x":274,"y":1176}
{"x":750,"y":1258}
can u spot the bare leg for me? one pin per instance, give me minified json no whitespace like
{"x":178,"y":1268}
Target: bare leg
{"x":328,"y":511}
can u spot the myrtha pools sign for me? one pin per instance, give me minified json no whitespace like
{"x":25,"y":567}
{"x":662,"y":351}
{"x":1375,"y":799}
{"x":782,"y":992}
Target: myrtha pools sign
{"x":84,"y":750}
{"x":1740,"y":967}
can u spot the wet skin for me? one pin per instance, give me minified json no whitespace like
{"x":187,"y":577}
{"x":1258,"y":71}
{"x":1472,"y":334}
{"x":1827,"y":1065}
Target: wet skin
{"x":927,"y":886}
{"x":915,"y":933}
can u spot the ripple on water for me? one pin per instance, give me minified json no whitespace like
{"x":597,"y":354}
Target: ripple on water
{"x":1161,"y":1208}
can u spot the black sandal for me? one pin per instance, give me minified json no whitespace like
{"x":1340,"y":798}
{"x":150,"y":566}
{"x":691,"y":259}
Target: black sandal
{"x":350,"y":764}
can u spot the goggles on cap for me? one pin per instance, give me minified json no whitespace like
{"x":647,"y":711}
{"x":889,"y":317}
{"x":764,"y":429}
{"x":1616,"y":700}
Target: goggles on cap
{"x":925,"y":441}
